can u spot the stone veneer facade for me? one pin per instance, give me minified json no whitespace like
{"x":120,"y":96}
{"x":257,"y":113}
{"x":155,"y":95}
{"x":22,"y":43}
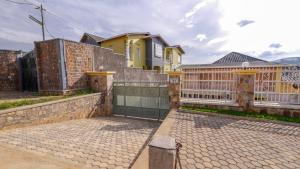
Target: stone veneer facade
{"x":66,"y":109}
{"x":62,"y":66}
{"x":9,"y":72}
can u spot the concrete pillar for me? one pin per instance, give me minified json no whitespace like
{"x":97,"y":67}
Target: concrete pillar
{"x":103,"y":82}
{"x":174,"y":89}
{"x":162,"y":153}
{"x":245,"y":89}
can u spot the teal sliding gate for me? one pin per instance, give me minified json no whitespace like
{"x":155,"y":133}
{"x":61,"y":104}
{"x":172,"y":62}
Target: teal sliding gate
{"x":141,"y":99}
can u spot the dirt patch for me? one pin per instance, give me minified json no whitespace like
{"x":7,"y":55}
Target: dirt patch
{"x":16,"y":159}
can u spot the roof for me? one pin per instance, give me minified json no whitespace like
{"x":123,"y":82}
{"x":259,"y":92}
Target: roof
{"x":159,"y":37}
{"x":179,"y":48}
{"x":11,"y":51}
{"x":235,"y":57}
{"x":96,"y":38}
{"x":126,"y":34}
{"x":251,"y":64}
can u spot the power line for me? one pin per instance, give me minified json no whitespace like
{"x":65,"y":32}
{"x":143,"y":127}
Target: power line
{"x":48,"y":31}
{"x":50,"y":12}
{"x":22,"y":3}
{"x":63,"y":20}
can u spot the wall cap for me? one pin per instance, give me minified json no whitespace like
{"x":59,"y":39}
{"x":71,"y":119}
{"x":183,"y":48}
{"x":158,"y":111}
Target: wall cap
{"x":21,"y":108}
{"x":176,"y":73}
{"x":163,"y":142}
{"x":246,"y":72}
{"x":103,"y":73}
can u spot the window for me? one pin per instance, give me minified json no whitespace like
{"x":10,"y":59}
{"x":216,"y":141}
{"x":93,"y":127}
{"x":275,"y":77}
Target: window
{"x":158,"y":50}
{"x":130,"y":50}
{"x":138,"y":55}
{"x":130,"y":53}
{"x":168,"y":56}
{"x":179,"y":60}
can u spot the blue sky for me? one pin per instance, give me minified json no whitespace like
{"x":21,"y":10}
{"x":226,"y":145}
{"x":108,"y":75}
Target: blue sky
{"x":207,"y":29}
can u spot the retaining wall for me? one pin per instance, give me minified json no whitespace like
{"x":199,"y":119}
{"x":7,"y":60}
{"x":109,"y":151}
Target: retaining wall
{"x":282,"y":110}
{"x":66,"y":109}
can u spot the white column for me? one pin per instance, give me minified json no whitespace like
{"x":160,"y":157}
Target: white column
{"x":127,"y":54}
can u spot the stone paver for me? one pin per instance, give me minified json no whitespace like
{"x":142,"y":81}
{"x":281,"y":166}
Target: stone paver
{"x":218,"y":142}
{"x":110,"y":142}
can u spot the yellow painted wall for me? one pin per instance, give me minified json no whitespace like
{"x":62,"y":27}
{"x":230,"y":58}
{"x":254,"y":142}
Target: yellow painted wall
{"x":137,"y":42}
{"x":174,"y":55}
{"x":118,"y":45}
{"x":167,"y":62}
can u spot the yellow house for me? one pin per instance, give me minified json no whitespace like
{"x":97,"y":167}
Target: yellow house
{"x":132,"y":45}
{"x":141,"y":50}
{"x":173,"y":58}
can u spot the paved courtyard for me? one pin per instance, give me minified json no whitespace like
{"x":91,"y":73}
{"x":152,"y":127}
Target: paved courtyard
{"x":108,"y":142}
{"x":218,"y":142}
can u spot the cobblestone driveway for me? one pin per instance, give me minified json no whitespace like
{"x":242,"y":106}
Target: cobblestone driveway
{"x":218,"y":142}
{"x":98,"y":143}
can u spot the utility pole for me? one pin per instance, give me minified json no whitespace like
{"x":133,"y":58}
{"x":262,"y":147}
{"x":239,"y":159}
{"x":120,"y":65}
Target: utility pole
{"x":42,"y":16}
{"x":42,"y":22}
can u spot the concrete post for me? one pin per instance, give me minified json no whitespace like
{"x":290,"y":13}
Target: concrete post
{"x":245,"y":89}
{"x":174,"y":89}
{"x":103,"y":82}
{"x":162,"y":153}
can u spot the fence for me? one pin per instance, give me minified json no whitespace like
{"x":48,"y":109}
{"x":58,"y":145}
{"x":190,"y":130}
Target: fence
{"x":209,"y":85}
{"x":279,"y":85}
{"x":273,"y":85}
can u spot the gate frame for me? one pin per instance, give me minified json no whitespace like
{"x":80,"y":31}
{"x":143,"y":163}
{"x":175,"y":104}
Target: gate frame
{"x":159,"y":108}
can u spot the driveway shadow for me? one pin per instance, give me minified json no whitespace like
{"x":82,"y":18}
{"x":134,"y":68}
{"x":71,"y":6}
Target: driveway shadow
{"x":212,"y":122}
{"x":126,"y":124}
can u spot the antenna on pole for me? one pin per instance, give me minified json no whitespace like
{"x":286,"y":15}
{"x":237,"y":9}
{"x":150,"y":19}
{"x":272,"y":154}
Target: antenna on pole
{"x":42,"y":23}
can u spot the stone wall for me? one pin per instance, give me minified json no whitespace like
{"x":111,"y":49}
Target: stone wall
{"x":9,"y":74}
{"x":72,"y":108}
{"x":62,"y":65}
{"x":48,"y":66}
{"x":78,"y":59}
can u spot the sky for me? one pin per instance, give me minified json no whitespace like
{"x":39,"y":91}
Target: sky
{"x":206,"y":29}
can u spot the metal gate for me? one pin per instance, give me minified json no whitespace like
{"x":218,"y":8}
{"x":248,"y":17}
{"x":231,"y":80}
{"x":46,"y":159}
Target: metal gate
{"x":141,"y":99}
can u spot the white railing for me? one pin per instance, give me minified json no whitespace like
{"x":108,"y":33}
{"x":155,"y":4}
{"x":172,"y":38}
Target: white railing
{"x":208,"y":85}
{"x":280,"y":85}
{"x":274,"y":85}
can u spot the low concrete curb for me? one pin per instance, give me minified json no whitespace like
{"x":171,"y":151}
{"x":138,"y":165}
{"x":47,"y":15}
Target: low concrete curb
{"x":239,"y":117}
{"x":164,"y":129}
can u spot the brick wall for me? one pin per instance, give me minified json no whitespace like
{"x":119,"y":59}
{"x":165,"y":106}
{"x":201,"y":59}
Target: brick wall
{"x":79,"y":59}
{"x":62,"y":65}
{"x":48,"y":65}
{"x":9,"y":76}
{"x":73,"y":108}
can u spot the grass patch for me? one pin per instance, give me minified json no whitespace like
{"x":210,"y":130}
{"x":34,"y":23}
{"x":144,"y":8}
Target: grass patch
{"x":244,"y":114}
{"x":30,"y":101}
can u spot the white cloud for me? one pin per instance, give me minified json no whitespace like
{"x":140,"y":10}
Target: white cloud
{"x":189,"y":25}
{"x":275,"y":21}
{"x":216,"y":40}
{"x":18,"y":35}
{"x":198,"y":6}
{"x":179,"y":23}
{"x":201,"y":37}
